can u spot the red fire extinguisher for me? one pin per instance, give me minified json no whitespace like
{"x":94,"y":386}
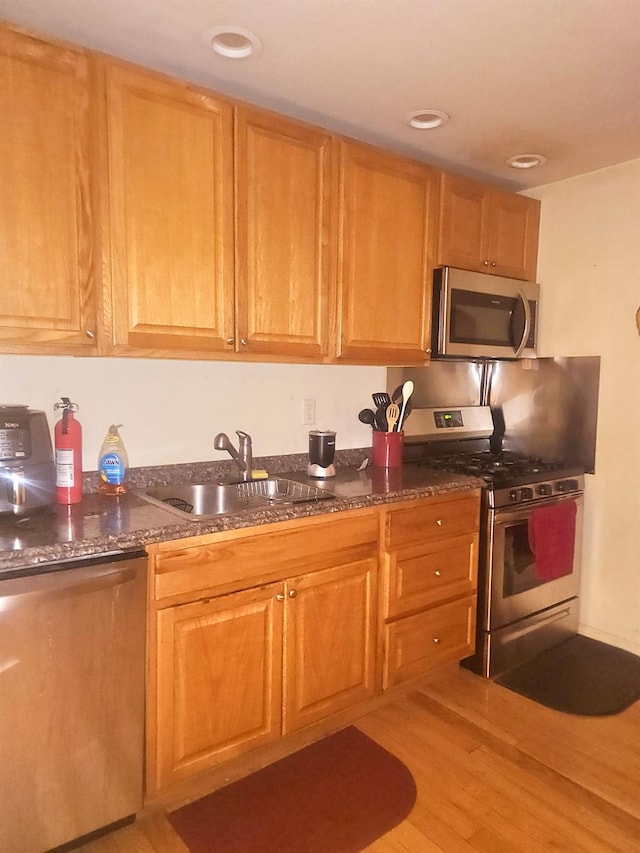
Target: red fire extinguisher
{"x":68,"y":443}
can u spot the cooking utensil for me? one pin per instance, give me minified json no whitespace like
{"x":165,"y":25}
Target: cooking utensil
{"x":381,"y":418}
{"x":396,"y":397}
{"x":407,"y":391}
{"x":393,"y":413}
{"x":368,"y":416}
{"x":382,"y":398}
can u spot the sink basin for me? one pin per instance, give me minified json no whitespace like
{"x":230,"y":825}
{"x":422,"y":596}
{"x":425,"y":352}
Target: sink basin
{"x":202,"y":500}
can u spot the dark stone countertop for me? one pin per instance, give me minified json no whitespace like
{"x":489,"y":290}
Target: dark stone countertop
{"x":101,"y":524}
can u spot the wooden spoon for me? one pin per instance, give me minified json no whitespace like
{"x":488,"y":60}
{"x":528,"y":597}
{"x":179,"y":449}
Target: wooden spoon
{"x":393,"y":413}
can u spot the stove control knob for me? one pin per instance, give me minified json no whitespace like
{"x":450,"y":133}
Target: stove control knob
{"x":526,"y":494}
{"x":544,"y":489}
{"x":513,"y":496}
{"x":567,"y":486}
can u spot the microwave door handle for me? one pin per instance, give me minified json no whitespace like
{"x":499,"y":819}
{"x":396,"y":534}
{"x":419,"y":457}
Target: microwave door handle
{"x":527,"y":323}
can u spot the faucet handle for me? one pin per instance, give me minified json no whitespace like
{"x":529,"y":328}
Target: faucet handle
{"x":244,"y":437}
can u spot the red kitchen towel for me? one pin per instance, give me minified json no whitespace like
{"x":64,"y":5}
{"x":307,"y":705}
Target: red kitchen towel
{"x":552,"y":533}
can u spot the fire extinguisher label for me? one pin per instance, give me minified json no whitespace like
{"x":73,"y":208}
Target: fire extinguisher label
{"x":64,"y":468}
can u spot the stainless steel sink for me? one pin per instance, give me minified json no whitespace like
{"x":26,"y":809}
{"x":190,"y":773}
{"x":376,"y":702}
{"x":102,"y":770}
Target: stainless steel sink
{"x":201,"y":500}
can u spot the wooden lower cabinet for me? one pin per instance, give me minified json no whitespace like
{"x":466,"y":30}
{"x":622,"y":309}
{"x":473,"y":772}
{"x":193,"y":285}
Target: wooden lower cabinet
{"x":259,"y":633}
{"x":429,"y":568}
{"x":219,"y":679}
{"x":229,"y":673}
{"x":330,"y":642}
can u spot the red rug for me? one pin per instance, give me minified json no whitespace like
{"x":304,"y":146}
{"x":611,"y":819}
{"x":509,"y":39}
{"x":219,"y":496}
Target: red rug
{"x":336,"y":796}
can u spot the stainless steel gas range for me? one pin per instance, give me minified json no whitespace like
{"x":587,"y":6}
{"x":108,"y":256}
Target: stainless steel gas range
{"x":531,"y":533}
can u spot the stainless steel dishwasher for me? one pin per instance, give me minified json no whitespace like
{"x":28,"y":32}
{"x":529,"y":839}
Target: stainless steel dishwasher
{"x":72,"y":668}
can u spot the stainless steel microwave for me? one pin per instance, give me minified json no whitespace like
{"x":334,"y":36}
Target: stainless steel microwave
{"x":483,"y":316}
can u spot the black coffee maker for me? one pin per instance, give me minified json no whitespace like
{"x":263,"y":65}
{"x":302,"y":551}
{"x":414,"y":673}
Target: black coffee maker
{"x":322,"y":449}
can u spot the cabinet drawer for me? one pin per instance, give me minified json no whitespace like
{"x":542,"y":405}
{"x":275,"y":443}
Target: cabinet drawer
{"x":265,"y":554}
{"x":433,"y":520}
{"x":416,"y":644}
{"x":425,"y":575}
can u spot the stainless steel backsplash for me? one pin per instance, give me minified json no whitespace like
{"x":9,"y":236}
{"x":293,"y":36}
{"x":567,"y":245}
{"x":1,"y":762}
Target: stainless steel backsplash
{"x":546,"y":407}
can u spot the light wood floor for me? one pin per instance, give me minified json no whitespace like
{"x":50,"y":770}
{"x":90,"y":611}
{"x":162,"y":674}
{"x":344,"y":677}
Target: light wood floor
{"x":495,"y":773}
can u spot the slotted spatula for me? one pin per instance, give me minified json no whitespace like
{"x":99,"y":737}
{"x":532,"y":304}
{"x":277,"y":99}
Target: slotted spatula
{"x":393,"y":413}
{"x":381,"y":398}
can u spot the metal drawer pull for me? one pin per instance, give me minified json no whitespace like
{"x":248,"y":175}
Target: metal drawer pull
{"x":279,"y":597}
{"x":436,"y":640}
{"x":292,"y":593}
{"x":439,"y":522}
{"x":438,"y":573}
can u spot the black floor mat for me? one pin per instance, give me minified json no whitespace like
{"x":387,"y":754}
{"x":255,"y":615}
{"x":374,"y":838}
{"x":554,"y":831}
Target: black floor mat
{"x":580,"y":676}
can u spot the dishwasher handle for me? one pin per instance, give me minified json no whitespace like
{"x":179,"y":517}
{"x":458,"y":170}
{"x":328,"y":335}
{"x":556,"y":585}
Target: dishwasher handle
{"x":36,"y":589}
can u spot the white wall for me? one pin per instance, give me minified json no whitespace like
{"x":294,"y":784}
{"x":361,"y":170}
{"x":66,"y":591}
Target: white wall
{"x":589,"y":270}
{"x":171,"y":410}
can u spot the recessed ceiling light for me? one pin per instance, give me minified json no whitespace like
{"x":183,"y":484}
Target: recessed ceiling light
{"x":427,"y":119}
{"x":233,"y":42}
{"x":526,"y":161}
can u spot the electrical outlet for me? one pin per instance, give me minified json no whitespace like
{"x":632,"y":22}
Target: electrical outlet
{"x":309,"y":412}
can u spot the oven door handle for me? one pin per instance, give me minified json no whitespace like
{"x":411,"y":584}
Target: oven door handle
{"x":527,"y":323}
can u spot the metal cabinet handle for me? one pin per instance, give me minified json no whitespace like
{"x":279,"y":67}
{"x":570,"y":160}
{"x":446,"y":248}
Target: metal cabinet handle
{"x":292,"y":593}
{"x":231,"y":340}
{"x":89,"y":333}
{"x":244,"y":342}
{"x":493,"y":263}
{"x":438,"y":573}
{"x":436,"y":640}
{"x":486,"y":263}
{"x":439,"y":522}
{"x":279,"y":597}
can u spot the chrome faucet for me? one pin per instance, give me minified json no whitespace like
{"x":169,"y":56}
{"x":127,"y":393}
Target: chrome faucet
{"x":243,"y":457}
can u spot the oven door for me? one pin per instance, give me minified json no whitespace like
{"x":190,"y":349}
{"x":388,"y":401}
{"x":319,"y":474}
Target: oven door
{"x":519,"y":583}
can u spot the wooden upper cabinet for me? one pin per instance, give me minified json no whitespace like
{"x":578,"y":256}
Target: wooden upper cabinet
{"x":487,"y":229}
{"x":46,"y":239}
{"x":387,"y":211}
{"x":169,"y":218}
{"x":283,"y":235}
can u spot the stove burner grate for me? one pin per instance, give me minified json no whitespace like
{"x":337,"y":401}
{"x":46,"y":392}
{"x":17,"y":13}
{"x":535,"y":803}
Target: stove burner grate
{"x":495,"y":468}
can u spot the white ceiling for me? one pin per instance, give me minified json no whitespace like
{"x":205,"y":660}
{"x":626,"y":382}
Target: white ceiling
{"x":555,"y":77}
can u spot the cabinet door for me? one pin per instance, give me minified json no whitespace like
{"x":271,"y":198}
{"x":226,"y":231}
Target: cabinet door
{"x":330,"y":642}
{"x":486,"y":229}
{"x":387,"y":217}
{"x":46,"y":239}
{"x":170,"y":215}
{"x":515,"y":221}
{"x":464,"y":232}
{"x":283,"y":184}
{"x":219,"y":674}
